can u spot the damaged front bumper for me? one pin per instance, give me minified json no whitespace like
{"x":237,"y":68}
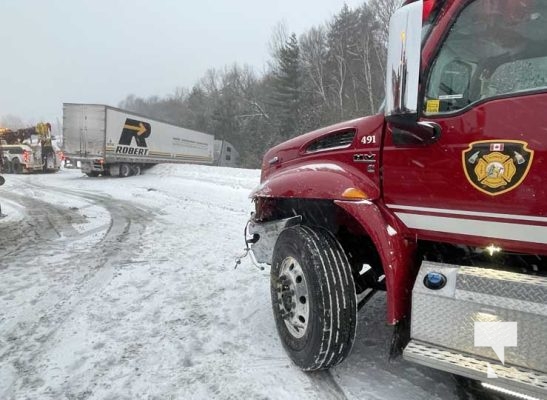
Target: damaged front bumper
{"x":264,"y":235}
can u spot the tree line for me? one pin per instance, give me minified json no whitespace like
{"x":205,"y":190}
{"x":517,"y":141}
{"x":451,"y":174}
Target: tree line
{"x":330,"y":73}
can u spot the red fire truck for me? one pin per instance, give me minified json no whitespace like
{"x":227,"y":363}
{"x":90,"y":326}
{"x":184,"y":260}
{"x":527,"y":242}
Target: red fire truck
{"x":439,"y":200}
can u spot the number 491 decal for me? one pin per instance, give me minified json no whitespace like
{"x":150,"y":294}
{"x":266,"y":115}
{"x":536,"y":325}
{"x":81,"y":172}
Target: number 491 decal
{"x":370,"y":139}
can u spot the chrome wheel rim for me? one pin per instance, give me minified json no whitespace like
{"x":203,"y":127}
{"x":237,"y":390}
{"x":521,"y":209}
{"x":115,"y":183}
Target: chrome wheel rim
{"x":293,"y":298}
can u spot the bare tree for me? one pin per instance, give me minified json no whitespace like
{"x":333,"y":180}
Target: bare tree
{"x":382,"y":11}
{"x":280,"y":36}
{"x":342,"y":40}
{"x":313,"y":53}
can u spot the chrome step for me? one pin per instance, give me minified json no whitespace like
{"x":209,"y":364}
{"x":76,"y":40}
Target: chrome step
{"x":513,"y":379}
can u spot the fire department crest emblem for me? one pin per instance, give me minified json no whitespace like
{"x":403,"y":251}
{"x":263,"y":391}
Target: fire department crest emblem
{"x":496,"y":167}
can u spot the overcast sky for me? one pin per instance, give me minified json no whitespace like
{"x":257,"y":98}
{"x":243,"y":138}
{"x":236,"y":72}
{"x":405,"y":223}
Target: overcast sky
{"x":99,"y":51}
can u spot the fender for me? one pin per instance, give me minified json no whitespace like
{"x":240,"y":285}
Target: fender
{"x":317,"y":180}
{"x":396,"y":252}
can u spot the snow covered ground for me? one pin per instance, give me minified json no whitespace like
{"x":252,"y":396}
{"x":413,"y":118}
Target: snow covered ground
{"x":125,"y":288}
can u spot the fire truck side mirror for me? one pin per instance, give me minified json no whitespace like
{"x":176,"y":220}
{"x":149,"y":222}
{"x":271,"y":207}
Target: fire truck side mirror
{"x":403,"y":61}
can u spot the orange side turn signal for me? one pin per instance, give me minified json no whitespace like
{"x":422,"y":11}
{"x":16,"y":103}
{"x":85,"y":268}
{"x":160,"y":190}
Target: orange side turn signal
{"x":354,"y":194}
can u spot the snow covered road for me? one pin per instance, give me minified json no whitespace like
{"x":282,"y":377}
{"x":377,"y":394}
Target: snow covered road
{"x":125,"y":288}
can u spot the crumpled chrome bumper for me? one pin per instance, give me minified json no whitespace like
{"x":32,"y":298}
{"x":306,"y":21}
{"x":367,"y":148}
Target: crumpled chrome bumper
{"x":263,"y":245}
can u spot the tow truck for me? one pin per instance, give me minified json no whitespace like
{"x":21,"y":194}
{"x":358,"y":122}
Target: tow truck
{"x":29,"y":150}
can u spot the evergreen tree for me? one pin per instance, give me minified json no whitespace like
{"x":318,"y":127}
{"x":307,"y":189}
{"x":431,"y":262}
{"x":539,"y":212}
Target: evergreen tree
{"x":285,"y":91}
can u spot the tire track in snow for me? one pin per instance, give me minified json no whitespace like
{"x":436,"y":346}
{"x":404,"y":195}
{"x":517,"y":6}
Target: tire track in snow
{"x":201,"y":203}
{"x":42,"y":221}
{"x":326,"y":385}
{"x":25,"y":338}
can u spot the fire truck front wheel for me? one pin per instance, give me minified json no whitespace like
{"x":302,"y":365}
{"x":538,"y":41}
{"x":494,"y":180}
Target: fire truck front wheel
{"x":313,"y":297}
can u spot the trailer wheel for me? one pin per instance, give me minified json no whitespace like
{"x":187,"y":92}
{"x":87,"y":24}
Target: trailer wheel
{"x":16,"y":166}
{"x":125,"y":170}
{"x":313,"y":297}
{"x":135,"y":169}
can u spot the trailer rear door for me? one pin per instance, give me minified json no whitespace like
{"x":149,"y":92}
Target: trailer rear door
{"x":84,"y":130}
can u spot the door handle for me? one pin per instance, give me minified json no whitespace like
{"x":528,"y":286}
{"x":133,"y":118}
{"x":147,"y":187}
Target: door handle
{"x":432,"y":127}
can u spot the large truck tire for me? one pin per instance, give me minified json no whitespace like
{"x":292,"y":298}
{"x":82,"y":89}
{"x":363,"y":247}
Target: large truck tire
{"x":16,"y":166}
{"x":313,"y":297}
{"x":135,"y":169}
{"x":125,"y":170}
{"x":92,"y":174}
{"x":6,"y":168}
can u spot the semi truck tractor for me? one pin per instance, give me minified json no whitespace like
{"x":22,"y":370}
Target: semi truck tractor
{"x":226,"y":154}
{"x":104,"y":140}
{"x":440,"y":200}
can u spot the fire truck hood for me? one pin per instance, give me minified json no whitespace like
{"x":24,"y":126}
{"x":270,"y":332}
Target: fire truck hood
{"x":292,"y":148}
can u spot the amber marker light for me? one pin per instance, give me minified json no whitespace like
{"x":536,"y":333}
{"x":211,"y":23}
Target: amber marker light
{"x":354,"y":194}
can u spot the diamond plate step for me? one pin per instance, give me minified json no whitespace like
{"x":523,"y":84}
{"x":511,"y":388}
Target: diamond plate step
{"x":528,"y":382}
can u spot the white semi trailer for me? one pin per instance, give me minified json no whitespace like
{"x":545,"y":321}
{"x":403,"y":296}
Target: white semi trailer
{"x":110,"y":141}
